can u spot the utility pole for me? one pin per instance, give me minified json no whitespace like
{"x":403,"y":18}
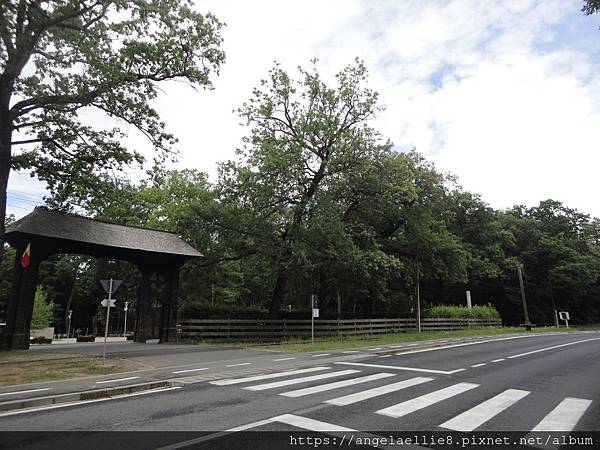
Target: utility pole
{"x":418,"y":290}
{"x":527,"y":323}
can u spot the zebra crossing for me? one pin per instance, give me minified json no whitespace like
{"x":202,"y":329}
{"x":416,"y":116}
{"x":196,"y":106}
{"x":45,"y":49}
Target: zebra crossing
{"x":564,"y":417}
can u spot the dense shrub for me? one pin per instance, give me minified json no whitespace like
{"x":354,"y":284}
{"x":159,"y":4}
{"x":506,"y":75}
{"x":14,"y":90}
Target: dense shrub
{"x":462,"y":312}
{"x":203,"y":310}
{"x":86,"y":338}
{"x":40,"y":340}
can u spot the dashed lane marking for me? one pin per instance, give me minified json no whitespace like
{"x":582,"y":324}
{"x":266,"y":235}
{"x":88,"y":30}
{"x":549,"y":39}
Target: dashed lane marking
{"x":25,"y":392}
{"x":117,"y":380}
{"x":237,"y":365}
{"x":190,"y":370}
{"x":551,"y":348}
{"x":283,"y":359}
{"x":410,"y":369}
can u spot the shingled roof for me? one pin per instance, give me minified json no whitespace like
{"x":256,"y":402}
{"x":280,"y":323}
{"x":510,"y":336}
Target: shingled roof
{"x":74,"y":228}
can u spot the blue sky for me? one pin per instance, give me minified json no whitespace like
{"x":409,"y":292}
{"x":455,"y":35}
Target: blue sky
{"x":505,"y":95}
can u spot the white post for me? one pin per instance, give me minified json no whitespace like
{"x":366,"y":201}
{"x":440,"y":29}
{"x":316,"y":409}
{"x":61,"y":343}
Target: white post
{"x":312,"y":318}
{"x":469,"y":299}
{"x":125,"y":325}
{"x":110,"y":284}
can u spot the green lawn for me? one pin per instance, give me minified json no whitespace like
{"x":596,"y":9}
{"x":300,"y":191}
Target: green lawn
{"x":344,"y":342}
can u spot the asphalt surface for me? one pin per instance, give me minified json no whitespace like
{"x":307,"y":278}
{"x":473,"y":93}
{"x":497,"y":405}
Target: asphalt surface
{"x":197,"y":363}
{"x":526,"y":378}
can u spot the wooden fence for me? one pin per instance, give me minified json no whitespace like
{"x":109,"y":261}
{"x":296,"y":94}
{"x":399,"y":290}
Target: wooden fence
{"x":253,"y":329}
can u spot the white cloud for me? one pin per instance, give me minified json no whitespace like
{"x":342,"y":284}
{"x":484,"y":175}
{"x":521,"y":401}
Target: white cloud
{"x":494,"y":92}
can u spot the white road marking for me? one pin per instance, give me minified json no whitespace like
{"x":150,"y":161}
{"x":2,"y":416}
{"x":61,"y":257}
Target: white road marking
{"x":477,"y":416}
{"x":444,"y":347}
{"x":551,"y":348}
{"x":230,"y":381}
{"x":322,"y":354}
{"x":385,"y":356}
{"x":498,"y":360}
{"x":190,"y":370}
{"x":116,"y":380}
{"x":337,"y":384}
{"x":479,"y":365}
{"x":351,"y":351}
{"x":237,"y":365}
{"x":376,"y":348}
{"x":410,"y":369}
{"x":25,"y":392}
{"x":276,"y":384}
{"x":382,"y":390}
{"x":283,"y":359}
{"x":295,"y":421}
{"x":565,"y":416}
{"x":409,"y":406}
{"x":65,"y":405}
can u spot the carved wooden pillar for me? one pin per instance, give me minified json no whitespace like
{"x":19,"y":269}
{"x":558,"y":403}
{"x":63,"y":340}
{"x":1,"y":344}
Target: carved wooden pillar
{"x":169,"y":313}
{"x":143,"y":304}
{"x":16,"y":333}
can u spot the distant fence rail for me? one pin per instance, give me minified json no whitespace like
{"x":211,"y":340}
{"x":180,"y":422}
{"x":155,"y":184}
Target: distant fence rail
{"x":256,"y":329}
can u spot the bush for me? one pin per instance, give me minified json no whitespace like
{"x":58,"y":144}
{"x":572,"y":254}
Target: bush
{"x":203,"y":310}
{"x":40,"y":340}
{"x":86,"y":338}
{"x":462,"y":312}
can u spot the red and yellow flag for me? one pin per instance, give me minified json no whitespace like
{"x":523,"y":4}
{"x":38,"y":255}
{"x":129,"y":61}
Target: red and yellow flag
{"x":26,"y":256}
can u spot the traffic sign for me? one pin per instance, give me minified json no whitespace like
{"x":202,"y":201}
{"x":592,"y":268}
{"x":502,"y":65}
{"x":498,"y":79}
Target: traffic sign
{"x":115,"y":285}
{"x":316,"y":313}
{"x":106,"y":300}
{"x":564,"y":315}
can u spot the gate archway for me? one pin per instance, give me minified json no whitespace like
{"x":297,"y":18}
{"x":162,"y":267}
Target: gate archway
{"x":158,"y":255}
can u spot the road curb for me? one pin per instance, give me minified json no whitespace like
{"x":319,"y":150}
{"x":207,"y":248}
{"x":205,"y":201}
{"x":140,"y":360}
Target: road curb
{"x":95,"y":394}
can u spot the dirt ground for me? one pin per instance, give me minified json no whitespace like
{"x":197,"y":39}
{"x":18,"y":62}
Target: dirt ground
{"x":20,"y":367}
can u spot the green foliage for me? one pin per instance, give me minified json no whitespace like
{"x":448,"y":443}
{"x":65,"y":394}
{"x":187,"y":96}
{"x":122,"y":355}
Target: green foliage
{"x":205,"y":310}
{"x":462,"y":312}
{"x":43,"y":311}
{"x":88,"y":63}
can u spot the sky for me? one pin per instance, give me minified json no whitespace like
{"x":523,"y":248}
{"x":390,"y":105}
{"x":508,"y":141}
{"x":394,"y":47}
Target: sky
{"x":504,"y":95}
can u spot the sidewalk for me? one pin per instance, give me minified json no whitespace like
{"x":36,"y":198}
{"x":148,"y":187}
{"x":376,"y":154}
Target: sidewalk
{"x":74,"y":340}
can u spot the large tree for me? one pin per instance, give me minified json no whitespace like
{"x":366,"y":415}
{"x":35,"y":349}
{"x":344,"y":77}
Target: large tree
{"x":303,"y":133}
{"x":62,"y":58}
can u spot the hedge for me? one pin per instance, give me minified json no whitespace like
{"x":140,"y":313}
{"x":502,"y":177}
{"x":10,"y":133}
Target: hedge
{"x":462,"y":312}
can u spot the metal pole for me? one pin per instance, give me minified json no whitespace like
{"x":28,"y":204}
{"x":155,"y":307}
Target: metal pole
{"x":69,"y":323}
{"x":110,"y":284}
{"x":125,"y":325}
{"x":527,"y":323}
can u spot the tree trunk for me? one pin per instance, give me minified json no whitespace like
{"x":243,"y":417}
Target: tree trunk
{"x":5,"y":160}
{"x":279,"y":293}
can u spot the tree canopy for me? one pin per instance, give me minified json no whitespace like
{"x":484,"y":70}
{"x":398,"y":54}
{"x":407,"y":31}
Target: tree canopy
{"x":70,"y":70}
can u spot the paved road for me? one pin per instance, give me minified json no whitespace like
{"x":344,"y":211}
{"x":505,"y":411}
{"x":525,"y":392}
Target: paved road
{"x":528,"y":384}
{"x":172,"y":361}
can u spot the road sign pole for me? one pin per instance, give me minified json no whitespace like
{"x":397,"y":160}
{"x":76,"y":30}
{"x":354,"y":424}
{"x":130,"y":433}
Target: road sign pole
{"x":107,"y":319}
